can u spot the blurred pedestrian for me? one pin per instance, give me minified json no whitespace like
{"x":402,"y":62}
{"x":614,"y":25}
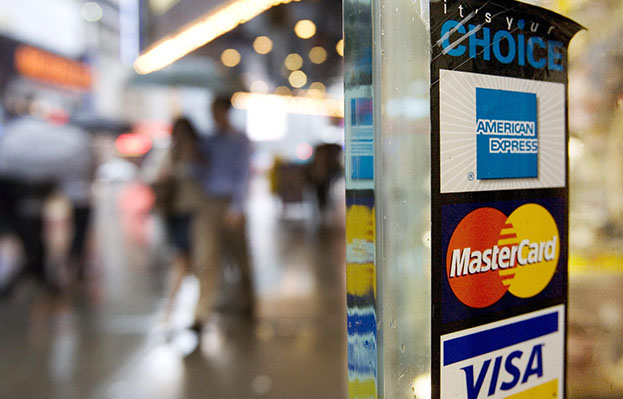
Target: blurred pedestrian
{"x":177,"y":196}
{"x":9,"y":197}
{"x":77,"y":188}
{"x":34,"y":155}
{"x":324,"y":169}
{"x":221,"y":223}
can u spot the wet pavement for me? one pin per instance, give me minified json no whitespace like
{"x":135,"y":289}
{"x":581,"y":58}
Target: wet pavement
{"x":106,"y":339}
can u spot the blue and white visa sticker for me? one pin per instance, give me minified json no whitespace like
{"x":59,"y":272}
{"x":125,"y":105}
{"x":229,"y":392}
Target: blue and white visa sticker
{"x":517,"y":358}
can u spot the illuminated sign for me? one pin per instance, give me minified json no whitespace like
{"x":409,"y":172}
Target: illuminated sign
{"x":52,"y":69}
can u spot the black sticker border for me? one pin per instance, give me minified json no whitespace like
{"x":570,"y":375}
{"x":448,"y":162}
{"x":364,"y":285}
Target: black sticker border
{"x":556,"y":28}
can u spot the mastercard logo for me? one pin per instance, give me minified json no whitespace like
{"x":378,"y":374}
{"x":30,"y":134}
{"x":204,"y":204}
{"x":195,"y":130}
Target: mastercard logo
{"x":490,"y":253}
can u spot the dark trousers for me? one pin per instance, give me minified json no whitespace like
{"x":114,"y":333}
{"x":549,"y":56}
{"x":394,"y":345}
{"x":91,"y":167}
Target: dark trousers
{"x":22,"y":214}
{"x":81,"y":222}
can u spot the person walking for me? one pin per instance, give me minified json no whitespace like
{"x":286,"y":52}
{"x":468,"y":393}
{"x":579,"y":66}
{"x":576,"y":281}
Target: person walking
{"x":178,"y":196}
{"x":221,"y":224}
{"x":34,"y":156}
{"x":77,"y":188}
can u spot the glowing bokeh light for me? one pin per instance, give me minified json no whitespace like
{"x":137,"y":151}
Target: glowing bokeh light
{"x":293,"y":62}
{"x":262,"y":45}
{"x":230,"y":57}
{"x":316,"y":90}
{"x":297,"y":79}
{"x":340,"y":47}
{"x":318,"y":55}
{"x":305,"y":29}
{"x":304,"y":151}
{"x":132,"y":144}
{"x":283,"y":91}
{"x":91,"y":11}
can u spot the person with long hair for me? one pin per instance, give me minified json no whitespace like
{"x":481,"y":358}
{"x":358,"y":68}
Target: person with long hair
{"x":178,"y":197}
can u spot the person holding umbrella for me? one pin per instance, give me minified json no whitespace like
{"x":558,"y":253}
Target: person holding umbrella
{"x":34,"y":156}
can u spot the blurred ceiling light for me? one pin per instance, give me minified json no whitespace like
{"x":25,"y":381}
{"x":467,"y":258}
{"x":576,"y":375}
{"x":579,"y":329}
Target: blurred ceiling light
{"x":207,"y":28}
{"x":316,"y":90}
{"x":259,"y":86}
{"x":293,"y":62}
{"x":293,"y":105}
{"x":340,"y":47}
{"x":91,"y":11}
{"x":305,"y":29}
{"x":262,"y":45}
{"x":230,"y":57}
{"x":312,"y":93}
{"x":297,"y":79}
{"x":318,"y":55}
{"x":283,"y":91}
{"x":318,"y":86}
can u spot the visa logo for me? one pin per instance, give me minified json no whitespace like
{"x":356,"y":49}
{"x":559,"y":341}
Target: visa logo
{"x":518,"y":357}
{"x":515,"y":370}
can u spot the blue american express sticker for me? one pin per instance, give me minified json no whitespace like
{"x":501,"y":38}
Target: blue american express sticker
{"x":506,"y":134}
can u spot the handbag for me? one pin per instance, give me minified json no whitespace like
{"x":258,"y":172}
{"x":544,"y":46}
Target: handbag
{"x":164,"y":192}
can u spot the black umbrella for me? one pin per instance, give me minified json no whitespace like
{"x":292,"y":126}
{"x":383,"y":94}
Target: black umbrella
{"x":34,"y":149}
{"x":95,"y":123}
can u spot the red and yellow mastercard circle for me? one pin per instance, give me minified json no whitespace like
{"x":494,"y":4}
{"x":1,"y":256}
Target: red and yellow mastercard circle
{"x":490,"y":254}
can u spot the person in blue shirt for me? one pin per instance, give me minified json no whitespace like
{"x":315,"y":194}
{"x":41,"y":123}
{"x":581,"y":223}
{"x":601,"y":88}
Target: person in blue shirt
{"x":220,"y":230}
